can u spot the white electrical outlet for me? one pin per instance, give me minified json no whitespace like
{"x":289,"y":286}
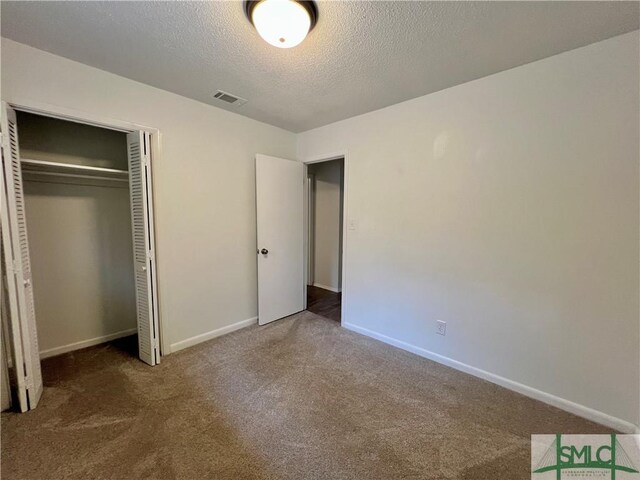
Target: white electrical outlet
{"x":441,"y":327}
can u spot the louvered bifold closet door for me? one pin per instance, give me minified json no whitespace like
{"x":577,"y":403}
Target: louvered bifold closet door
{"x":140,"y":186}
{"x":24,"y":335}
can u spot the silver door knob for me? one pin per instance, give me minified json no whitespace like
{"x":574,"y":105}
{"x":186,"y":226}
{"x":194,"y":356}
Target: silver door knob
{"x":264,"y":251}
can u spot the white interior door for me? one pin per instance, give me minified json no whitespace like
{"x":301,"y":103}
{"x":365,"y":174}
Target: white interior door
{"x":15,"y":245}
{"x":140,"y":186}
{"x":5,"y":348}
{"x":279,"y":203}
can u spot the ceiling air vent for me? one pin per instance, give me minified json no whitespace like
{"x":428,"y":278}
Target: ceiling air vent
{"x":229,"y":98}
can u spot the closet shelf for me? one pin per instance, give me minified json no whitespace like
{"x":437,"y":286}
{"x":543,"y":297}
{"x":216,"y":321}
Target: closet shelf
{"x":42,"y":167}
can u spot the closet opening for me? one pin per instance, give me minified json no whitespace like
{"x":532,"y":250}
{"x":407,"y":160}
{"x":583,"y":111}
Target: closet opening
{"x":78,"y":212}
{"x":325,"y":217}
{"x":78,"y":245}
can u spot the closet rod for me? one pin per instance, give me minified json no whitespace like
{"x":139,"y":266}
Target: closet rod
{"x":75,"y":175}
{"x":70,"y":166}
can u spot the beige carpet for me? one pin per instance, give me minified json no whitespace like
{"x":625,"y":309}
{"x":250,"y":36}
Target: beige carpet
{"x":299,"y":399}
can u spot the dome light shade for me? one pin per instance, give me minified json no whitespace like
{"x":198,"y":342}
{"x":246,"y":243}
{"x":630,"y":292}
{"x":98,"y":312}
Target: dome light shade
{"x":282,"y":23}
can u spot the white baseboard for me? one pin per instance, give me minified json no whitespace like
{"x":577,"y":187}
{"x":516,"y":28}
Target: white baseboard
{"x":326,"y":287}
{"x":203,"y":337}
{"x":561,"y":403}
{"x":52,"y":352}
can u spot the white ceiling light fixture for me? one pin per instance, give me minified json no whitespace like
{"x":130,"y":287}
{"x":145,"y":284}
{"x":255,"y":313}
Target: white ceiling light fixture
{"x":282,"y":23}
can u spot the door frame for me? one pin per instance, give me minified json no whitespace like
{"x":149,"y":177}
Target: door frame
{"x":310,"y":223}
{"x":344,"y":155}
{"x":71,"y":115}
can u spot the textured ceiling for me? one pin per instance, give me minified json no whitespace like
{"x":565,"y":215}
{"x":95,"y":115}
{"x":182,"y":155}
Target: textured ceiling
{"x":360,"y":57}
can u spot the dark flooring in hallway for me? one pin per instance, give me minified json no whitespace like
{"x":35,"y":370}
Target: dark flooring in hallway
{"x":325,"y":303}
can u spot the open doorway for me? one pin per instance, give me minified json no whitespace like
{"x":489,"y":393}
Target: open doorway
{"x":78,"y":213}
{"x":293,"y":229}
{"x":325,"y":216}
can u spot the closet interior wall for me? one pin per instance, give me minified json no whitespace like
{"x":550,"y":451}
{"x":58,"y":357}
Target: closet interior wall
{"x":80,"y":237}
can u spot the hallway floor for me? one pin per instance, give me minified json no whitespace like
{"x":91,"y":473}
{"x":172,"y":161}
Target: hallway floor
{"x":324,"y":302}
{"x":301,"y":399}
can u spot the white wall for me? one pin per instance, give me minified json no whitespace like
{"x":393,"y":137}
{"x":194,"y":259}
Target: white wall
{"x":204,"y":182}
{"x":327,"y":223}
{"x":508,"y":207}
